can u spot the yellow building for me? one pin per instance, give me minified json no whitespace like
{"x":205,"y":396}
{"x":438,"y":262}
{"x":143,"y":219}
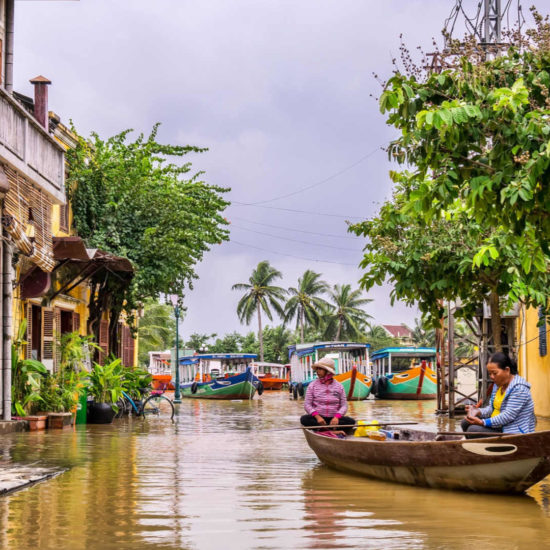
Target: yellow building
{"x":533,"y":358}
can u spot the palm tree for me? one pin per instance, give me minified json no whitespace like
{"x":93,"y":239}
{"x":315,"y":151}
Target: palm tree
{"x":347,"y":318}
{"x":422,"y":335}
{"x":156,"y":330}
{"x":260,"y":295}
{"x":305,"y":303}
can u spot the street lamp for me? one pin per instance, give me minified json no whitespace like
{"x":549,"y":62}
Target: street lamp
{"x":174,"y":299}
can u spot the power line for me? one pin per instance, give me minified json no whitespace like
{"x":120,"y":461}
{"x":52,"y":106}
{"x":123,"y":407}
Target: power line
{"x":295,"y":240}
{"x":329,"y":178}
{"x":324,"y":214}
{"x":290,"y":255}
{"x":297,"y":230}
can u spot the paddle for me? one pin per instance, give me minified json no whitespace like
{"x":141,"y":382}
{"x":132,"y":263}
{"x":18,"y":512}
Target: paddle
{"x":474,"y":434}
{"x":328,"y":426}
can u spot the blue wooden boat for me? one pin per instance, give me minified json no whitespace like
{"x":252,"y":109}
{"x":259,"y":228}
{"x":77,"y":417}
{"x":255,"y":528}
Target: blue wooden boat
{"x":219,"y":376}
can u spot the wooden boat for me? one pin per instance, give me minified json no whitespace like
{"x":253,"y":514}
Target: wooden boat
{"x":161,"y":370}
{"x":503,"y":464}
{"x":405,"y":373}
{"x":351,"y":360}
{"x":219,"y":376}
{"x":273,"y":376}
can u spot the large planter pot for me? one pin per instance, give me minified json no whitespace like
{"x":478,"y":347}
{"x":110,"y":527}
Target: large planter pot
{"x":100,"y":413}
{"x":36,"y":422}
{"x":57,"y":421}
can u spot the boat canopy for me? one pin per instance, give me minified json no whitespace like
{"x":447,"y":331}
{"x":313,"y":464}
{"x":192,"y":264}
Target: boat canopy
{"x":216,"y":357}
{"x":403,"y":352}
{"x":306,"y":349}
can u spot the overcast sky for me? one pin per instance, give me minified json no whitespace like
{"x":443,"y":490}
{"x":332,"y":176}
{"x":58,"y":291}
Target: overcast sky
{"x":278,"y":90}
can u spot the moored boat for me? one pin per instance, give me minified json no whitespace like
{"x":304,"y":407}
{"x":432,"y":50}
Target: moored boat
{"x":509,"y":463}
{"x":351,"y":361}
{"x":273,"y":376}
{"x":405,"y":373}
{"x":219,"y":376}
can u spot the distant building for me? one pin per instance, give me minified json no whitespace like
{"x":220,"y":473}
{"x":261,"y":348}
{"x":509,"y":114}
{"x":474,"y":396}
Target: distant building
{"x":401,"y":332}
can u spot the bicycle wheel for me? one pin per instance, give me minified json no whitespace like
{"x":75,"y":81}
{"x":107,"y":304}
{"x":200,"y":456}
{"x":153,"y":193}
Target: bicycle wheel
{"x":158,"y":405}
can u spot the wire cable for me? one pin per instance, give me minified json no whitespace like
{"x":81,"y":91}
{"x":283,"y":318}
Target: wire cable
{"x":329,"y":178}
{"x":291,"y":255}
{"x":295,"y":240}
{"x":324,"y":214}
{"x":297,"y":230}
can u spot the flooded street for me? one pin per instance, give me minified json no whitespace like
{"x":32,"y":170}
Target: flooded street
{"x":217,"y":478}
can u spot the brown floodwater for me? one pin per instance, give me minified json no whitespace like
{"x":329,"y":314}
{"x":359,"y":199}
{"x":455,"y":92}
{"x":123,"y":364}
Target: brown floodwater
{"x":218,"y":479}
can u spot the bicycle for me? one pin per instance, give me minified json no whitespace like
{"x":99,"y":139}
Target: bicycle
{"x":156,"y":403}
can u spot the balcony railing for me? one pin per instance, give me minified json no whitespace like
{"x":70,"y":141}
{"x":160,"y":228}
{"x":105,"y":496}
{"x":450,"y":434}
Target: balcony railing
{"x":29,"y":149}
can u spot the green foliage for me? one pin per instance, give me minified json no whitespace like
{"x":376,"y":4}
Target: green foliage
{"x":230,"y":343}
{"x":423,"y":335}
{"x":305,"y":302}
{"x":107,"y":382}
{"x":198,"y":342}
{"x":135,"y":381}
{"x":378,"y":338}
{"x":470,"y":215}
{"x":260,"y":295}
{"x":157,"y":329}
{"x":128,"y":199}
{"x":26,"y":377}
{"x":346,"y":319}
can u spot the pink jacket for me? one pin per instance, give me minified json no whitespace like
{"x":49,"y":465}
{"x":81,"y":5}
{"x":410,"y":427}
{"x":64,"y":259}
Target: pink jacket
{"x":326,"y":399}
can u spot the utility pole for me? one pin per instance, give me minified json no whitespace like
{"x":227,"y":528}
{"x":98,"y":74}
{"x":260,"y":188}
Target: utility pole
{"x":492,"y":24}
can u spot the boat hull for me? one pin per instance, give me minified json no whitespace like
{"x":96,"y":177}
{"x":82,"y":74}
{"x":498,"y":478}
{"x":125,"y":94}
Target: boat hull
{"x":162,"y":382}
{"x":410,"y":384}
{"x":508,"y":464}
{"x":273,"y":383}
{"x":238,"y":386}
{"x":362,"y":385}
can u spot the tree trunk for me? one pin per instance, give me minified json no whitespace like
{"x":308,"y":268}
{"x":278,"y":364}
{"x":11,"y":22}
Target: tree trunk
{"x":260,"y":335}
{"x":302,"y":325}
{"x":113,"y":331}
{"x":340,"y":322}
{"x":495,"y":320}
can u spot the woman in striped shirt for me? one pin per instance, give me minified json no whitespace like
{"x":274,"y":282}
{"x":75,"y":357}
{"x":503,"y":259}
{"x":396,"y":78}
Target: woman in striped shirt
{"x":325,"y":402}
{"x":511,"y":409}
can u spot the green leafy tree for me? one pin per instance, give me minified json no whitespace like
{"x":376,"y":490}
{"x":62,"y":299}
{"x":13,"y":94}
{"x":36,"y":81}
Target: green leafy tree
{"x":474,"y":145}
{"x":305,"y":302}
{"x":157,"y":329}
{"x":249,"y":344}
{"x":347,"y":319}
{"x":199,"y":342}
{"x":378,"y":338}
{"x":130,"y":200}
{"x":276,"y":341}
{"x":229,"y":343}
{"x":423,"y":335}
{"x":260,"y":295}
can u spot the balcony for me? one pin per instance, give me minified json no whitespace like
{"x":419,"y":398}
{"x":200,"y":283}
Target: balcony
{"x":30,"y":150}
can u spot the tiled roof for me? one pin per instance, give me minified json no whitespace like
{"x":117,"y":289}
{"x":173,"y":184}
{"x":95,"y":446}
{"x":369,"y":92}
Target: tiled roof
{"x":398,"y":331}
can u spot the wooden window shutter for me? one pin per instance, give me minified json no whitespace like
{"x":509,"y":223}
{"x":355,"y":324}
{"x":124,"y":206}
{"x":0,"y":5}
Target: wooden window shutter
{"x":57,"y":332}
{"x":131,"y":346}
{"x":28,"y":335}
{"x":128,"y":344}
{"x":76,"y":322}
{"x":47,"y":333}
{"x":120,"y":343}
{"x":103,"y":340}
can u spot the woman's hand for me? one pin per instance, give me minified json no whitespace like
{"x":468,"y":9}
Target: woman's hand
{"x":472,"y":411}
{"x":320,"y":420}
{"x":334,"y":421}
{"x":475,"y":420}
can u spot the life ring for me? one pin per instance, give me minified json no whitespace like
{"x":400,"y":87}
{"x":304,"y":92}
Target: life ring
{"x":300,"y":389}
{"x":260,"y":388}
{"x":382,"y":384}
{"x":194,"y":387}
{"x":374,"y":387}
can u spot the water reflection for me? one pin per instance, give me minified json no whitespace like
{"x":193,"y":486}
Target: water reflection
{"x":219,"y":477}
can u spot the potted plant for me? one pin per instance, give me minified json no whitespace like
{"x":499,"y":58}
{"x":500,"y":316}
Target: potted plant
{"x":105,"y":385}
{"x":27,"y":375}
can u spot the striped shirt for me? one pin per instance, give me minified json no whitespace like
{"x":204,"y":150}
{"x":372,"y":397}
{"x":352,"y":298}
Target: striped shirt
{"x":517,"y":412}
{"x":326,"y":399}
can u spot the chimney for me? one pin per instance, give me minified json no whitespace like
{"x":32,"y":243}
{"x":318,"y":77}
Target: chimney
{"x":41,"y":84}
